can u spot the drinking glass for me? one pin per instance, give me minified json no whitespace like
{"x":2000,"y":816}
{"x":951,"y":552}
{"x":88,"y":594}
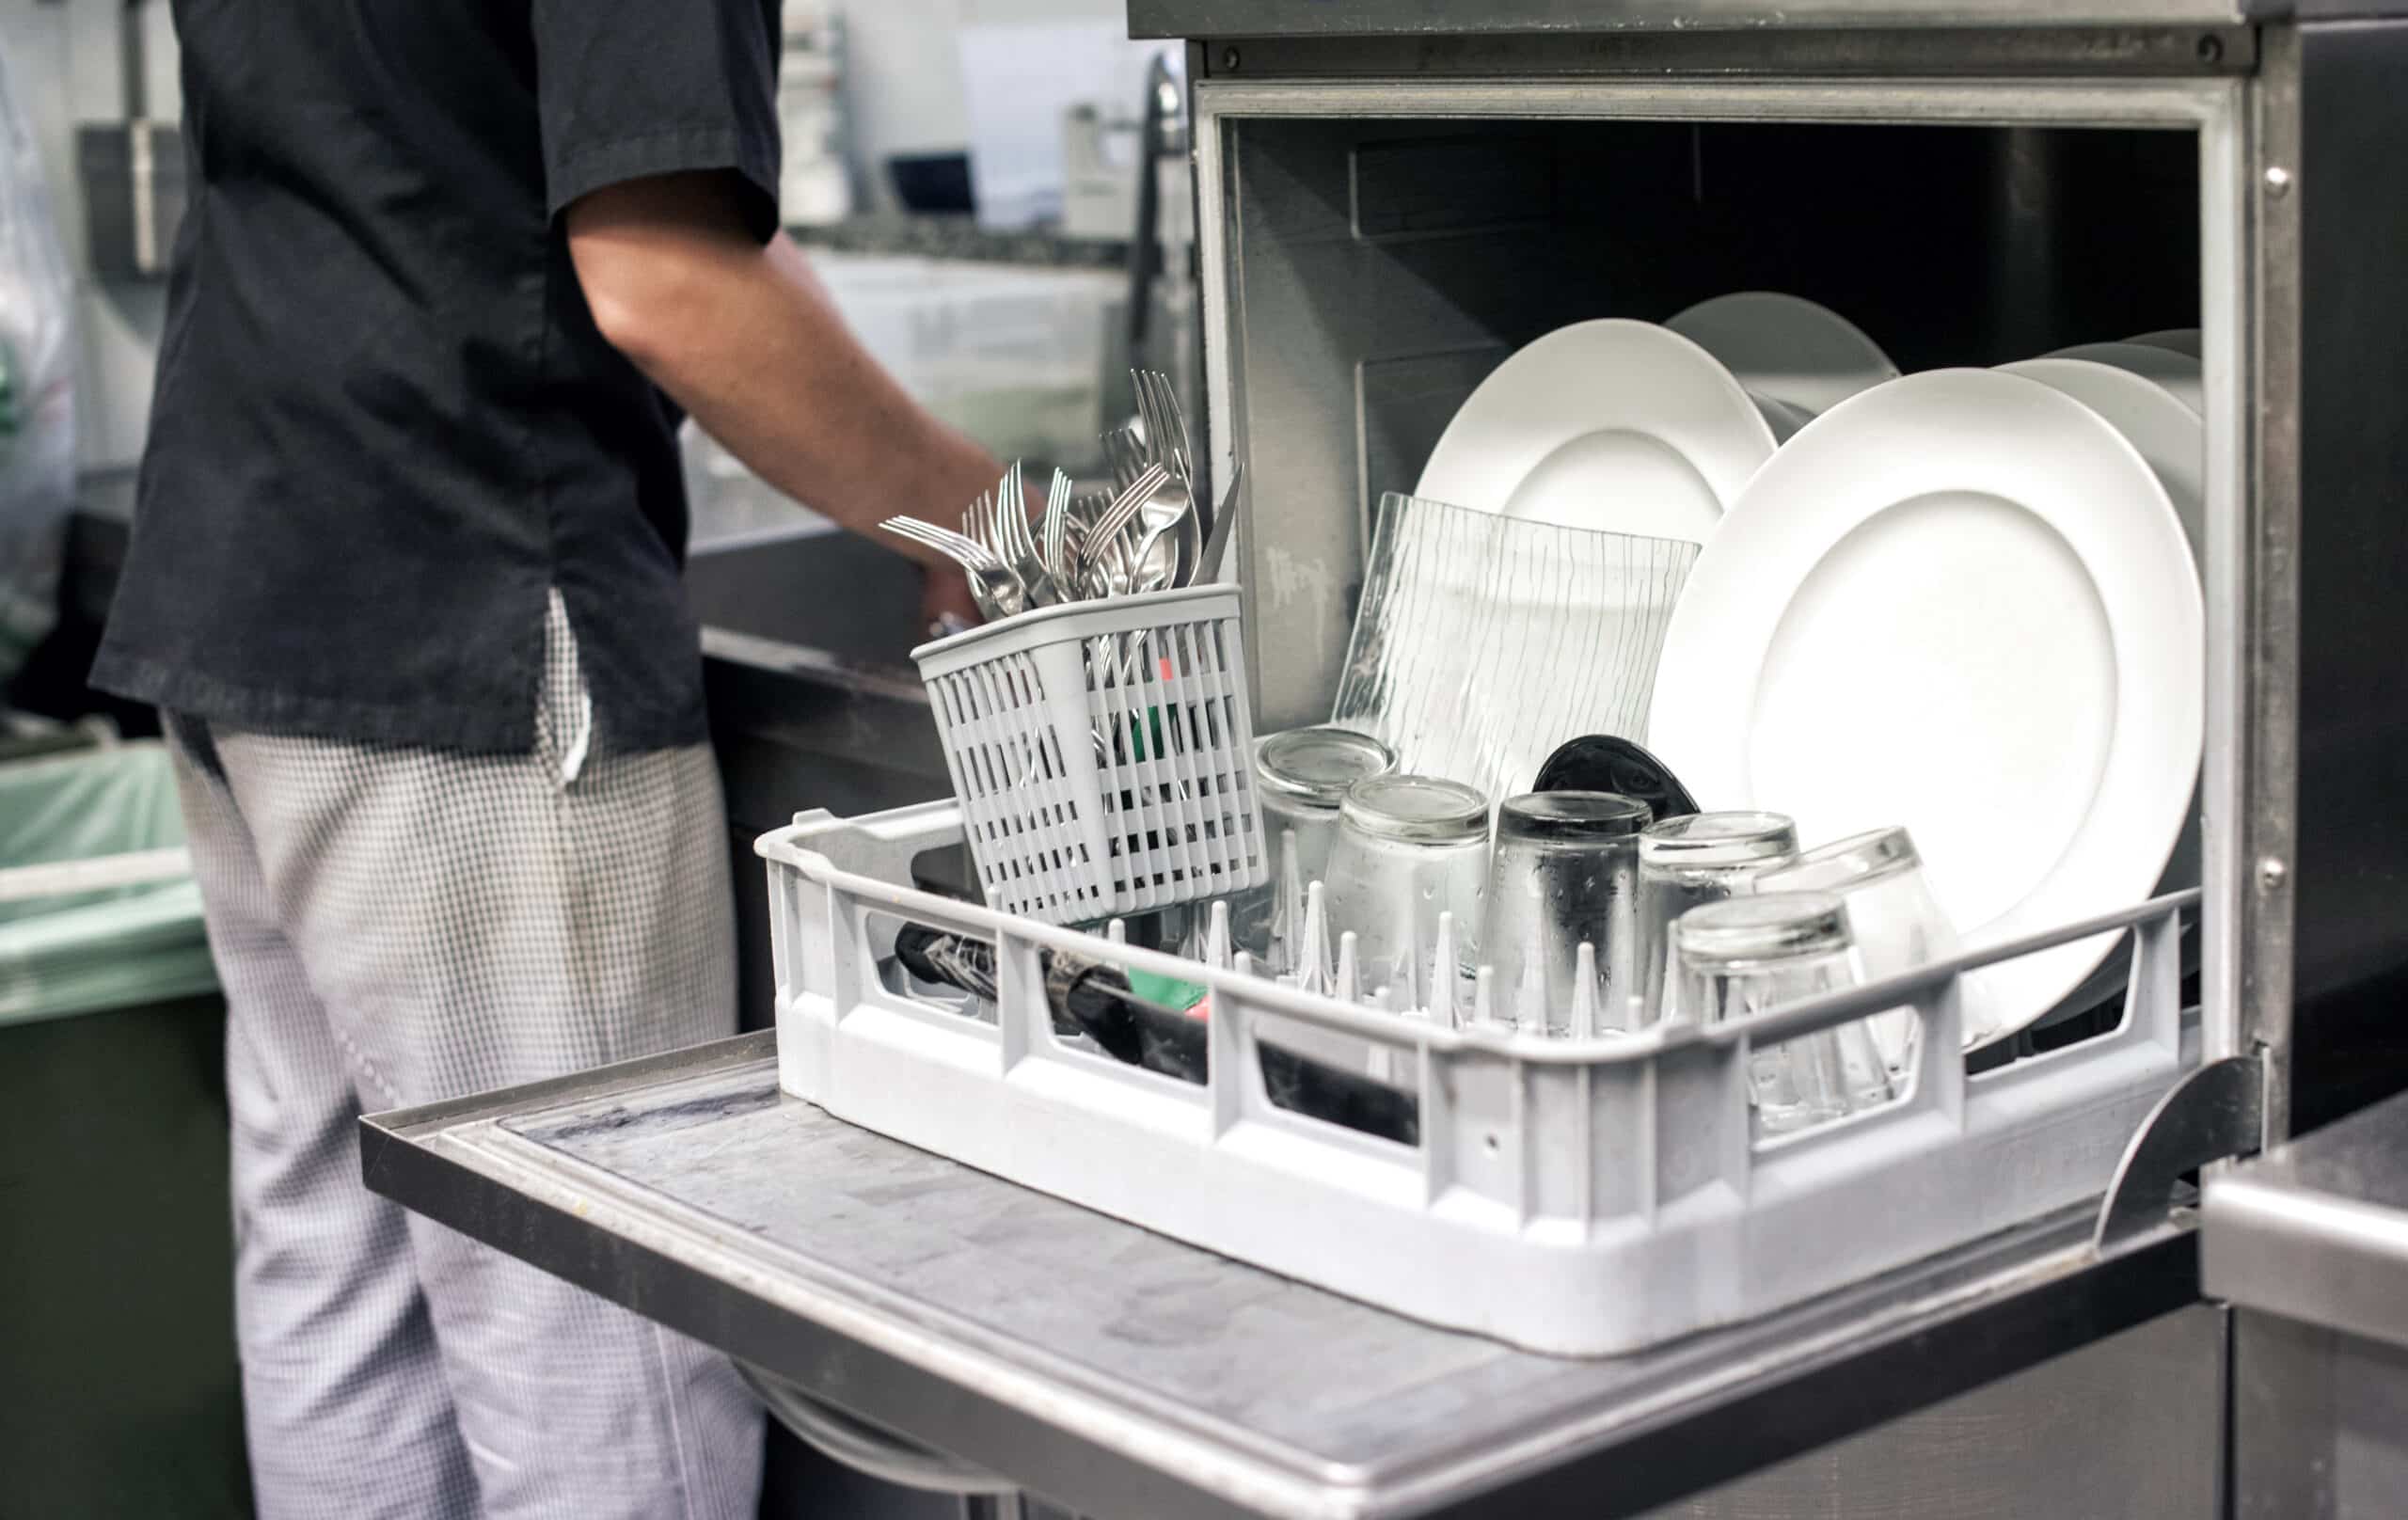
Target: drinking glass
{"x":1748,"y":955}
{"x":1687,"y":863}
{"x":1896,"y":921}
{"x":1408,"y":848}
{"x":1483,"y":642}
{"x":1563,"y":871}
{"x":1301,"y":777}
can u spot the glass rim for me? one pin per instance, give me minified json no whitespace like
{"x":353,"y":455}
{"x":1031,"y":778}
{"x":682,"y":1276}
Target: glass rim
{"x":1730,"y":837}
{"x":1572,"y":816}
{"x":1424,"y":809}
{"x":1763,"y":928}
{"x":1275,"y":756}
{"x":1391,"y":500}
{"x":1859,"y":860}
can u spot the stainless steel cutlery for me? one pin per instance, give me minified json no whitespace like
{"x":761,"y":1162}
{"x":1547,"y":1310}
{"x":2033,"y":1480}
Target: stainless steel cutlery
{"x":1154,"y":532}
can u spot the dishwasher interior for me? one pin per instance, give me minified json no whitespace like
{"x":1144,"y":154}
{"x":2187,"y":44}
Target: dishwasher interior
{"x":1380,"y":268}
{"x":1372,"y":249}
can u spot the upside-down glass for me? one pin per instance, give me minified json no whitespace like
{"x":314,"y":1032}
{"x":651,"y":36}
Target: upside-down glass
{"x":1895,"y":921}
{"x":1563,"y":871}
{"x":1686,"y":863}
{"x":1408,"y":848}
{"x":1749,"y":955}
{"x":1301,"y":777}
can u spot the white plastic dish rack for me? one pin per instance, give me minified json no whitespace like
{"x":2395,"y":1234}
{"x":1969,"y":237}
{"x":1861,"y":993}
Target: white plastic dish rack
{"x":1577,"y":1197}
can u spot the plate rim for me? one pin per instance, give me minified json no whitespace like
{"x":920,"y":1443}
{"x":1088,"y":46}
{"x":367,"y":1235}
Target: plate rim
{"x":1460,"y":433}
{"x":2189,"y":342}
{"x":2193,"y":371}
{"x":1804,"y":305}
{"x":2194,"y":521}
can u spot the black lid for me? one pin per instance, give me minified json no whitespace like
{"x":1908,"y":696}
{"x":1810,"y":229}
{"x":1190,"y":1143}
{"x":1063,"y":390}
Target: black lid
{"x":1608,"y":763}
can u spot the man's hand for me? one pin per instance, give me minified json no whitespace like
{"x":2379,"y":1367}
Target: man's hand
{"x":945,"y":591}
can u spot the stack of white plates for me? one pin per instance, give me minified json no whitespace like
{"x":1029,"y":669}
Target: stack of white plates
{"x":1964,"y":600}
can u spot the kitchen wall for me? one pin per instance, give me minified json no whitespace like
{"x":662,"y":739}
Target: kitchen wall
{"x":63,"y":59}
{"x":903,"y":87}
{"x":64,"y":63}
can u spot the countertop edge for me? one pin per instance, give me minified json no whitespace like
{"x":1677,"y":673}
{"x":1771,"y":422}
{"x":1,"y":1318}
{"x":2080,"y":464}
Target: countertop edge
{"x":2292,"y":1234}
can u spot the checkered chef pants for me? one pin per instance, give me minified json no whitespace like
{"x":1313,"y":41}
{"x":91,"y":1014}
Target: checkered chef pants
{"x":398,"y":926}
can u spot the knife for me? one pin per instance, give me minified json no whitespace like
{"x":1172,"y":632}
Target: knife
{"x":1216,"y":539}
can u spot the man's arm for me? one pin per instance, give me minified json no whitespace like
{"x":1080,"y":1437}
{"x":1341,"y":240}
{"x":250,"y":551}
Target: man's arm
{"x":742,"y":335}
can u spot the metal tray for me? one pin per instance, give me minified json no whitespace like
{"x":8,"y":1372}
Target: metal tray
{"x":1125,"y":1374}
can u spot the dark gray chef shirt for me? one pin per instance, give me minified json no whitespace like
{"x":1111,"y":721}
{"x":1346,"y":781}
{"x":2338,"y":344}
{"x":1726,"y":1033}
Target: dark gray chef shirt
{"x":385,"y":422}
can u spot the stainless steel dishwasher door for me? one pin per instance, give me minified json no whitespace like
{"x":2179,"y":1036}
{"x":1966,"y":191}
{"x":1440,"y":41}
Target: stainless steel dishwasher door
{"x":2130,"y":1425}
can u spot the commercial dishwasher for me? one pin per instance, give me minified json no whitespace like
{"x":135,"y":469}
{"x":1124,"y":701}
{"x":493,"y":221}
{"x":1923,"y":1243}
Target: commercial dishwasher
{"x":1392,"y":196}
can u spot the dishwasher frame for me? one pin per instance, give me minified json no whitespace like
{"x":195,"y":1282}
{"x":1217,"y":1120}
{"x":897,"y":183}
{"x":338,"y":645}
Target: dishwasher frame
{"x":2239,"y":97}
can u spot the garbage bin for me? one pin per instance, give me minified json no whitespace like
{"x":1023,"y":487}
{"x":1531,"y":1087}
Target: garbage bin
{"x":116,"y":1331}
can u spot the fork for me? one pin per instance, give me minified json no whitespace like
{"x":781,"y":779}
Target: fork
{"x":1122,"y":511}
{"x":1024,"y":557}
{"x":1055,"y":532}
{"x":1170,"y":505}
{"x":995,"y":588}
{"x":1007,"y":536}
{"x":1172,"y":428}
{"x":1166,"y":425}
{"x":1125,"y":455}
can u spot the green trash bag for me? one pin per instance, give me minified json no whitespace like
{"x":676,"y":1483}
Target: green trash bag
{"x":83,"y":951}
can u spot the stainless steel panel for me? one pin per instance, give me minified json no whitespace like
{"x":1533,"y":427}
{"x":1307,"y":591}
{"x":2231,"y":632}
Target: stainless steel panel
{"x":1346,"y":18}
{"x":2319,"y":1422}
{"x":1925,"y":53}
{"x":134,"y":190}
{"x":2132,"y":1425}
{"x":1129,"y":1375}
{"x":2349,"y":195}
{"x":2252,"y":464}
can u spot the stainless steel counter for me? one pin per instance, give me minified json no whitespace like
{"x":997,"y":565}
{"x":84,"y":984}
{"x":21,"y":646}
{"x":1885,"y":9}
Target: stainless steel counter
{"x":2310,"y":1242}
{"x":2316,"y":1230}
{"x":1127,"y":1375}
{"x":1458,"y":18}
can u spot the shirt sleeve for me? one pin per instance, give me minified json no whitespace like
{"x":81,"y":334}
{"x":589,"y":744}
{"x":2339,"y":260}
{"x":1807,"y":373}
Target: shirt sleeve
{"x":632,"y":88}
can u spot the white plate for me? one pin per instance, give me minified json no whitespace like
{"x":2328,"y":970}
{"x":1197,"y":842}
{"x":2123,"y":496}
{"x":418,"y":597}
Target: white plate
{"x":1617,"y":425}
{"x":1787,"y":348}
{"x":2153,"y":418}
{"x":2180,"y":340}
{"x":2177,"y":372}
{"x":1960,"y":602}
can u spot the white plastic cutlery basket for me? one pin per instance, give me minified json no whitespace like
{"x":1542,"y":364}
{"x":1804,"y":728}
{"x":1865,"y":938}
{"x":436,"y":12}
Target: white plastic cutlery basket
{"x":1102,"y":753}
{"x":1576,"y":1198}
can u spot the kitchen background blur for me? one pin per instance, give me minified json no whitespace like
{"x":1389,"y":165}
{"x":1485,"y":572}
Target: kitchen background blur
{"x":882,"y":79}
{"x":985,"y":225}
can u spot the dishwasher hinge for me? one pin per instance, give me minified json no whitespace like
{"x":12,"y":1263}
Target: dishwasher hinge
{"x":2215,"y":1113}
